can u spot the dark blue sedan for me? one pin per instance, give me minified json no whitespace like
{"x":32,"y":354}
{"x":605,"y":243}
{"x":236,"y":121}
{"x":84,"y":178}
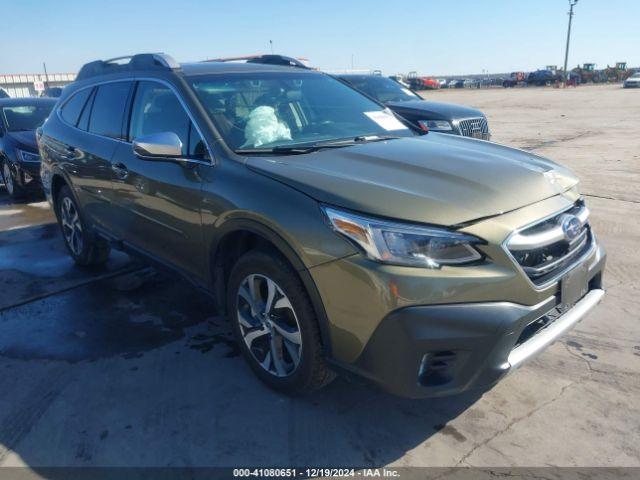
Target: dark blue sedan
{"x":19,"y":157}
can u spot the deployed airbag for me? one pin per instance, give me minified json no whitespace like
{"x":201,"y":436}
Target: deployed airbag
{"x":263,"y":127}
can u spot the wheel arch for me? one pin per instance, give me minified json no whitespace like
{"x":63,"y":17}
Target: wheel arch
{"x":57,"y":182}
{"x":238,"y":236}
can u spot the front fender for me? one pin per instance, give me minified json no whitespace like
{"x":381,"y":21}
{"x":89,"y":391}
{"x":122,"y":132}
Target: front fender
{"x":247,"y":224}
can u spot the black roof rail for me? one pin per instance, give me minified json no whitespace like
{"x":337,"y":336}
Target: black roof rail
{"x":272,"y":59}
{"x":140,"y":61}
{"x":268,"y":59}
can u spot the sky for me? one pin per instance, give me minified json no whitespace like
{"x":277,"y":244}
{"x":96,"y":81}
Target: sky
{"x":435,"y":37}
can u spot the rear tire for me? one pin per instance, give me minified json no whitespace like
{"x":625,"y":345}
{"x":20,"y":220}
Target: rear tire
{"x":83,"y":245}
{"x":275,"y":324}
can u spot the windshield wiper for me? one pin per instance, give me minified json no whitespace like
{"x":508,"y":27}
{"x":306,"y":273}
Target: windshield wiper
{"x":285,"y":149}
{"x":312,"y":147}
{"x":374,"y":138}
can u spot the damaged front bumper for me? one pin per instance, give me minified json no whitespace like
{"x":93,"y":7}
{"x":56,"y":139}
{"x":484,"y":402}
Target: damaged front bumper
{"x":437,"y":350}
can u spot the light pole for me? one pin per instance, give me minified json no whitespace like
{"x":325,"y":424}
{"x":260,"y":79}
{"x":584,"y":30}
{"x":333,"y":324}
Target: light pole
{"x":271,"y":45}
{"x":46,"y":76}
{"x":572,"y":4}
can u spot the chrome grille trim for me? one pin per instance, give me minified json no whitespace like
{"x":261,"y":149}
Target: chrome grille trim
{"x":551,"y":260}
{"x":474,"y":127}
{"x":522,"y":241}
{"x":547,"y":267}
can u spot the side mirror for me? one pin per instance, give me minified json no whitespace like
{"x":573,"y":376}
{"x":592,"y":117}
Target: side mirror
{"x":158,"y":145}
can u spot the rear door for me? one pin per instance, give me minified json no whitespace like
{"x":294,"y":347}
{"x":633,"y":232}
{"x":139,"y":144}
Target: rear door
{"x":97,"y":114}
{"x":158,"y":201}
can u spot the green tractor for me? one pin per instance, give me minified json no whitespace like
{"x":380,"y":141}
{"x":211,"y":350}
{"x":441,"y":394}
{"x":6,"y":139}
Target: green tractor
{"x":589,"y":74}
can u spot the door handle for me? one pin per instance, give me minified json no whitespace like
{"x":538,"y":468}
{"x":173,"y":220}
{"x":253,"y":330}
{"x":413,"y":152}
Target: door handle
{"x":121,"y":171}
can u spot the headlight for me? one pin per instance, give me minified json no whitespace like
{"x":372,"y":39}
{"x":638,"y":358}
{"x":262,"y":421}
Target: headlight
{"x":436,"y":125}
{"x":27,"y":156}
{"x":400,"y":244}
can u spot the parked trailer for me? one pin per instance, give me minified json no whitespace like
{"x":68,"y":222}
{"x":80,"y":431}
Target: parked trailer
{"x":33,"y":84}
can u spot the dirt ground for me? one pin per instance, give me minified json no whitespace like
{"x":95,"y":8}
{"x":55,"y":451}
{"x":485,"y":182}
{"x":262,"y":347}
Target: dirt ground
{"x":127,"y":366}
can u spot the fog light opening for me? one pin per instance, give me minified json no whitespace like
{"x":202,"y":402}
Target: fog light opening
{"x":437,"y":368}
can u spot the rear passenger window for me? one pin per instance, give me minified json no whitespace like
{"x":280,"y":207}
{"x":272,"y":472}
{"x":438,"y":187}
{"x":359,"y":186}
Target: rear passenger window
{"x":108,"y":109}
{"x":156,"y":109}
{"x":72,"y":109}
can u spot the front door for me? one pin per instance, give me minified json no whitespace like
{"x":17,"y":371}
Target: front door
{"x":158,"y":201}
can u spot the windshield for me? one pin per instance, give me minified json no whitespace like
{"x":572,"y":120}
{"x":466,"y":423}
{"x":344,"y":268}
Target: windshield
{"x":381,"y":88}
{"x":25,"y":117}
{"x":263,"y":110}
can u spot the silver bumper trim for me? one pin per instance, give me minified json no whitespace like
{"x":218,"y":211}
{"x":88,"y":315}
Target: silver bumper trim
{"x":548,"y":335}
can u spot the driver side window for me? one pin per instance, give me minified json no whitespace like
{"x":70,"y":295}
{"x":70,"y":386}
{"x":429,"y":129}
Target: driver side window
{"x":156,"y":109}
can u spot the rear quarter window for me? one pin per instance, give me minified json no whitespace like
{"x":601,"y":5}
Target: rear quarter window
{"x":108,"y":109}
{"x":83,"y":123}
{"x":72,"y":109}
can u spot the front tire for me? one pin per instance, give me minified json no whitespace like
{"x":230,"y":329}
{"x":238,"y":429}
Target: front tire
{"x":84,"y":247}
{"x":10,"y":183}
{"x":275,"y":324}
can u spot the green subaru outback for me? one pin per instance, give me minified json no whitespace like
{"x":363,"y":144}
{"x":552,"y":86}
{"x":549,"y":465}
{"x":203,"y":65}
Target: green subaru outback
{"x":335,"y":237}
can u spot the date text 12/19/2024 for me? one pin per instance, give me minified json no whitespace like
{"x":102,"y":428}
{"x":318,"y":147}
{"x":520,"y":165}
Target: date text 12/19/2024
{"x":314,"y":473}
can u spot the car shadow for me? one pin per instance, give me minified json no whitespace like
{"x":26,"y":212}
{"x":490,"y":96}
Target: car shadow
{"x":137,"y":369}
{"x":27,"y":198}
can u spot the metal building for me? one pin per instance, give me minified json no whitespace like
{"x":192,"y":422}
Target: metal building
{"x":30,"y":85}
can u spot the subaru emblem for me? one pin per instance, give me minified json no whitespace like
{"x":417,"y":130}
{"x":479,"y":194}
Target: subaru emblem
{"x":571,"y":226}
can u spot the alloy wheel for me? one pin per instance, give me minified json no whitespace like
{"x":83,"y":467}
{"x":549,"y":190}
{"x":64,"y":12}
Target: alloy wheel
{"x":71,"y":226}
{"x":8,"y":179}
{"x":269,"y":325}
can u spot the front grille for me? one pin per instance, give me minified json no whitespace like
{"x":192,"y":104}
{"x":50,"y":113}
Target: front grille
{"x":474,"y":127}
{"x":552,"y":246}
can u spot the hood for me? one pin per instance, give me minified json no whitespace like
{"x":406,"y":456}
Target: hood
{"x":434,"y":110}
{"x":25,"y":140}
{"x":436,"y":179}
